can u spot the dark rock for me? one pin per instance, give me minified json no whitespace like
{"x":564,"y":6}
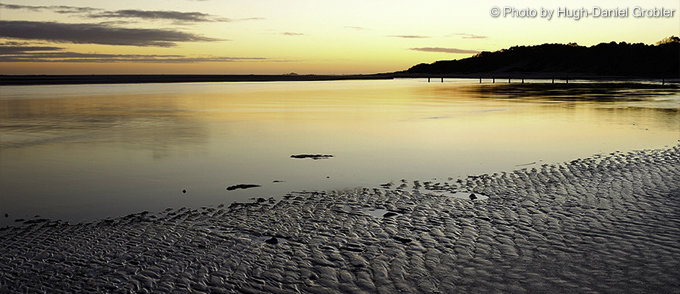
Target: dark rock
{"x":260,"y":200}
{"x":473,"y":196}
{"x":312,"y":156}
{"x":402,"y":239}
{"x":242,"y":186}
{"x":390,"y":214}
{"x":6,"y":215}
{"x":277,"y":181}
{"x":184,"y":191}
{"x":272,"y":241}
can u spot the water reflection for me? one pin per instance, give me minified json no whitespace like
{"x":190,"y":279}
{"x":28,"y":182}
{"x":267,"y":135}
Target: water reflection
{"x":151,"y":121}
{"x":84,"y":152}
{"x":593,"y":92}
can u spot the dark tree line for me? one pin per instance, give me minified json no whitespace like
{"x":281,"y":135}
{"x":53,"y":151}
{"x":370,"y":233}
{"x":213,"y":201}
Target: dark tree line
{"x":610,"y":59}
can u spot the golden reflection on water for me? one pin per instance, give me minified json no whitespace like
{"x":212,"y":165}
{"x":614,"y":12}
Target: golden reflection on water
{"x":78,"y":152}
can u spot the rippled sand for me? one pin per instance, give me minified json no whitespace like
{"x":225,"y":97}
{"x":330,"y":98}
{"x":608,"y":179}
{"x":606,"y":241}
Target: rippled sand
{"x":609,"y":224}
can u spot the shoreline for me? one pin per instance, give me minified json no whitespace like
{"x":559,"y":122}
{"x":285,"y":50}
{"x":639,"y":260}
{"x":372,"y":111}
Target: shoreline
{"x":602,"y":224}
{"x":559,"y":78}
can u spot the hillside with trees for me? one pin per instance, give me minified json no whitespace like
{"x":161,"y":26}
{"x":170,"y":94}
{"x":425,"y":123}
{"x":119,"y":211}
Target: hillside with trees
{"x":605,"y":59}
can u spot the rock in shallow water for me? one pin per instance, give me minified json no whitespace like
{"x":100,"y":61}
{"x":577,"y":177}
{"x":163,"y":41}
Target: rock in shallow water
{"x":312,"y":156}
{"x":390,"y":214}
{"x":242,"y":186}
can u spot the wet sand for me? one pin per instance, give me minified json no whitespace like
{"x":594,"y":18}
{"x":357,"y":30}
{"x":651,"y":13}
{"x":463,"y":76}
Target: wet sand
{"x":603,"y":224}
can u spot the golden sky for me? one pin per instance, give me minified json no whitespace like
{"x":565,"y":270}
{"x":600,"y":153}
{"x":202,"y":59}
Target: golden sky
{"x":302,"y":36}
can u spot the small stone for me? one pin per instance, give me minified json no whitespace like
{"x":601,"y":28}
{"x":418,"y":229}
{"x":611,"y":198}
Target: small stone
{"x":473,"y":196}
{"x":390,"y":214}
{"x":272,"y":241}
{"x":312,"y":156}
{"x":242,"y":186}
{"x":402,"y":239}
{"x":6,"y":215}
{"x":184,"y":191}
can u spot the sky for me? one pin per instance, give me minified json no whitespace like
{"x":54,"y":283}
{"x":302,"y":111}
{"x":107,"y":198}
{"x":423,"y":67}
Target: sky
{"x":300,"y":36}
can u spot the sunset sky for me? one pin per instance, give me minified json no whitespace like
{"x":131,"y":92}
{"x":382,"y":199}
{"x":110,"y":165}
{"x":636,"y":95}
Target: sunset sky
{"x":302,"y":36}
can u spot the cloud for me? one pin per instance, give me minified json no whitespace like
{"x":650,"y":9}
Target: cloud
{"x":83,"y":33}
{"x":292,"y":34}
{"x":115,"y":22}
{"x":409,"y":36}
{"x":23,"y":49}
{"x":91,"y":12}
{"x":56,"y":8}
{"x":159,"y":15}
{"x":12,"y":43}
{"x":444,"y":50}
{"x":249,"y":18}
{"x":54,"y":54}
{"x":470,"y":36}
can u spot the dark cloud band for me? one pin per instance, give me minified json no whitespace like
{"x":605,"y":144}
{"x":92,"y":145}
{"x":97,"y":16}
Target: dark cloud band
{"x":56,"y":8}
{"x":91,"y":12}
{"x":84,"y":33}
{"x":24,"y":49}
{"x":159,"y":15}
{"x":53,"y":54}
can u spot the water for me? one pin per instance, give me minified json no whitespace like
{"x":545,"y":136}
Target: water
{"x":84,"y":152}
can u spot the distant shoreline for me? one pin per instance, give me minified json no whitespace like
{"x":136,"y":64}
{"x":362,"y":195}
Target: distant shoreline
{"x":16,"y":80}
{"x":30,"y":80}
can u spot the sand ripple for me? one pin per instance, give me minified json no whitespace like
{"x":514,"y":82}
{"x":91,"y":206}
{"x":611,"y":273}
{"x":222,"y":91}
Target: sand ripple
{"x":608,"y":224}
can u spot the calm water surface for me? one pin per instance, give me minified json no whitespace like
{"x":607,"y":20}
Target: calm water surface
{"x":83,"y":152}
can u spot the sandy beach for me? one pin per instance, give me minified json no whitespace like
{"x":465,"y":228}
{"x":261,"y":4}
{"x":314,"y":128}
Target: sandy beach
{"x":603,"y":224}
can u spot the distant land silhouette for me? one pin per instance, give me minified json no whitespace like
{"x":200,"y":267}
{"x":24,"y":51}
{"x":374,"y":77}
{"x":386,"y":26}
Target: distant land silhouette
{"x":605,"y":59}
{"x":622,"y":61}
